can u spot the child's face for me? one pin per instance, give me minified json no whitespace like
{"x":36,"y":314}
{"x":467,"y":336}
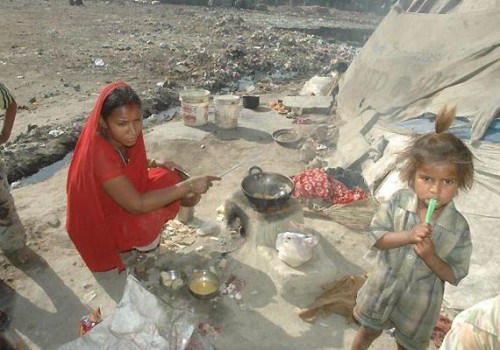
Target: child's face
{"x":438,"y":181}
{"x":124,"y":125}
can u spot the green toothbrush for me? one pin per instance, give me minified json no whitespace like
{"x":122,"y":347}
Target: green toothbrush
{"x":430,"y":210}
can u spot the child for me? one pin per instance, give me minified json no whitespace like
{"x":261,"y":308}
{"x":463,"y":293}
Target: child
{"x":414,"y":258}
{"x":115,"y":202}
{"x":12,"y":231}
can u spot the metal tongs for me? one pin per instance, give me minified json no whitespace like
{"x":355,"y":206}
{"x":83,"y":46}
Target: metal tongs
{"x":253,"y":156}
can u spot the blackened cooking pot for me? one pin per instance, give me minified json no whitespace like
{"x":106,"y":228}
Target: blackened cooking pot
{"x":266,"y":191}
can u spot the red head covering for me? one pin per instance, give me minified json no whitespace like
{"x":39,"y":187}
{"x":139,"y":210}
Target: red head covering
{"x":97,"y":225}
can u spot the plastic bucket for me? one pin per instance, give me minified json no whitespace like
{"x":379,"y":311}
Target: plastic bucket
{"x":227,"y":111}
{"x":194,"y":106}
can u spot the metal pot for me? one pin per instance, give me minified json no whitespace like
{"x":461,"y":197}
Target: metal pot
{"x":266,"y":191}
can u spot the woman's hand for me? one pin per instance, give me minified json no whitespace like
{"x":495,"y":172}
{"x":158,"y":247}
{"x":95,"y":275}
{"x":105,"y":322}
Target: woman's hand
{"x":420,"y":232}
{"x":200,"y":184}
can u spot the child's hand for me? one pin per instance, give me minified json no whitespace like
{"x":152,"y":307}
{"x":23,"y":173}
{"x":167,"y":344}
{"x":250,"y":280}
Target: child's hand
{"x":425,"y":248}
{"x":420,"y":232}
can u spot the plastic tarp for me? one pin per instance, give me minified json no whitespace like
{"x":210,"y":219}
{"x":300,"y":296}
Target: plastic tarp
{"x":415,"y":63}
{"x":140,"y":321}
{"x":412,"y":65}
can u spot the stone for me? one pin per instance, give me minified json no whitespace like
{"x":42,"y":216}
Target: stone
{"x":261,"y":231}
{"x":309,"y":104}
{"x":261,"y":228}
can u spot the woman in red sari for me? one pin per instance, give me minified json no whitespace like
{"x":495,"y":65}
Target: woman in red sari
{"x":114,"y":202}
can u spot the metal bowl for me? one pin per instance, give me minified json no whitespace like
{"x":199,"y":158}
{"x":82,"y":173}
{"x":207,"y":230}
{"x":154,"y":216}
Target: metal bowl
{"x":173,"y":279}
{"x":288,"y":138}
{"x":203,"y":284}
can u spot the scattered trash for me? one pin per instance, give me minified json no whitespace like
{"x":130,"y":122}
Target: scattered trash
{"x":220,"y":213}
{"x":87,"y":298}
{"x":176,"y":235}
{"x":204,"y":337}
{"x":90,"y":321}
{"x":233,"y":288}
{"x":98,"y":62}
{"x":278,"y":106}
{"x":56,"y":132}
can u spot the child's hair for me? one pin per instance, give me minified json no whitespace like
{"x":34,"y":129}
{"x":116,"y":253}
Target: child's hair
{"x":439,"y":147}
{"x":119,"y":97}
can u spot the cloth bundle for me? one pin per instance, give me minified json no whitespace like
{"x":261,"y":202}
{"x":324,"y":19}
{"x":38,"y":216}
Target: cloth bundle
{"x":315,"y":182}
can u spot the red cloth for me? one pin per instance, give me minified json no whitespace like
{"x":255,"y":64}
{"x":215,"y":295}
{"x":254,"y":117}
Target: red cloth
{"x":97,"y":225}
{"x":315,"y":182}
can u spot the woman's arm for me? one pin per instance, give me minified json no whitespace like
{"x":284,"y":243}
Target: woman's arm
{"x":124,"y":193}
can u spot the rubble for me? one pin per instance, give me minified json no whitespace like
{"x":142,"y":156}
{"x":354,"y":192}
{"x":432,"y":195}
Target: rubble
{"x":221,"y":50}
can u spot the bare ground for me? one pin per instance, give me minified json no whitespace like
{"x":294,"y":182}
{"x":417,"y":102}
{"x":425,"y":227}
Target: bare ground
{"x":49,"y":61}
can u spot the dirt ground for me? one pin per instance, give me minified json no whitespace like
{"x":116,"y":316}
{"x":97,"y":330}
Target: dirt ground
{"x":48,"y":61}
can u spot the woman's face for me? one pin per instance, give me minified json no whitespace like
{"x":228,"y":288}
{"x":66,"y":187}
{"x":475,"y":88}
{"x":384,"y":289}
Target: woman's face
{"x":123,"y":126}
{"x":438,"y":181}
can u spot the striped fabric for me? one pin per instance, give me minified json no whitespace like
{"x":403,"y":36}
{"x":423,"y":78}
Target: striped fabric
{"x":6,"y":97}
{"x":477,"y":327}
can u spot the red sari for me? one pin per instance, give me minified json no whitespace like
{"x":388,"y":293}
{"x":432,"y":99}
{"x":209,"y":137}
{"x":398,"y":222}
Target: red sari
{"x":97,"y":225}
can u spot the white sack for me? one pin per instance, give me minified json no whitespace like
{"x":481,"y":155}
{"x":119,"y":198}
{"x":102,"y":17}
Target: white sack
{"x":295,"y":248}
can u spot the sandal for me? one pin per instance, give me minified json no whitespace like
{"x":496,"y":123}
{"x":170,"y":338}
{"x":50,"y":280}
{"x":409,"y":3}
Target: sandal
{"x":133,"y":258}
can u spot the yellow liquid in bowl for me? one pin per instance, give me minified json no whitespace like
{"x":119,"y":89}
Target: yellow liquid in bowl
{"x":203,"y":287}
